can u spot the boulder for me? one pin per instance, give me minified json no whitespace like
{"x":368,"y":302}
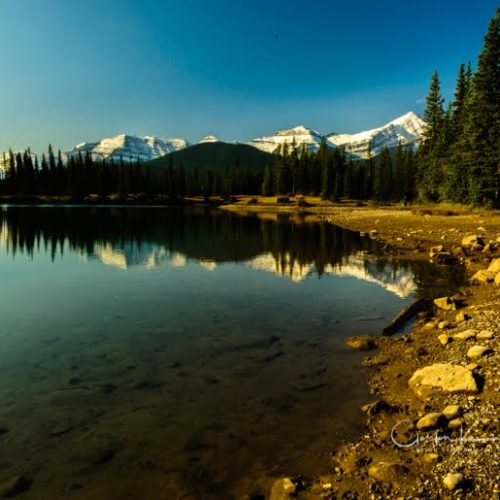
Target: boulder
{"x":442,"y":377}
{"x":484,"y":276}
{"x":477,"y":351}
{"x":387,"y":471}
{"x":494,"y":267}
{"x":445,"y":303}
{"x":453,"y":481}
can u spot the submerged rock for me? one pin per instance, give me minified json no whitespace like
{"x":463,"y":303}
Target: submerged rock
{"x":282,"y":489}
{"x":387,"y":471}
{"x":442,"y":376}
{"x":361,"y":343}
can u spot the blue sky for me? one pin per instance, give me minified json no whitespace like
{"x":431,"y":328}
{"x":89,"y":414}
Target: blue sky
{"x":75,"y":70}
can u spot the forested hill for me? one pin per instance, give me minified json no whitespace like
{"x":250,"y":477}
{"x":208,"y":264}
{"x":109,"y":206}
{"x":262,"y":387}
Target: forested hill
{"x":217,"y":157}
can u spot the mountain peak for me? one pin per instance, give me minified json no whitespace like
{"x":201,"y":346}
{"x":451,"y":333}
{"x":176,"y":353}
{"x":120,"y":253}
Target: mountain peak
{"x":209,"y":138}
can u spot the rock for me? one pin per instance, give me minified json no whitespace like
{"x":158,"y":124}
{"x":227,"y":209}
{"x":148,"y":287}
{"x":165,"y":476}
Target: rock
{"x":442,"y":325}
{"x":445,"y":259}
{"x":429,"y":421}
{"x":452,"y":411}
{"x":373,"y":233}
{"x":387,"y":471}
{"x":445,"y":303}
{"x":458,"y":252}
{"x":14,"y":486}
{"x":473,"y":240}
{"x":484,"y":276}
{"x":372,"y":409}
{"x":465,"y":335}
{"x":435,"y":251}
{"x":485,"y":335}
{"x":472,"y":366}
{"x":442,"y":376}
{"x":455,"y":423}
{"x":431,"y":458}
{"x":494,"y":266}
{"x":361,"y":343}
{"x":497,"y":279}
{"x":282,"y":489}
{"x":462,"y":316}
{"x":453,"y":481}
{"x":477,"y":351}
{"x":444,"y":338}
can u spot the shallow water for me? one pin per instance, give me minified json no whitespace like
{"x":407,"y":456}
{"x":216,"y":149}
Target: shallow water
{"x":146,"y":353}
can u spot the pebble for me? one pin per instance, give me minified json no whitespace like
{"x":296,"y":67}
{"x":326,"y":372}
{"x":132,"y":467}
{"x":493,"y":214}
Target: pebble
{"x":444,"y":338}
{"x":465,"y":335}
{"x":429,"y":421}
{"x":477,"y":351}
{"x":485,"y":335}
{"x":452,"y":411}
{"x":453,"y":481}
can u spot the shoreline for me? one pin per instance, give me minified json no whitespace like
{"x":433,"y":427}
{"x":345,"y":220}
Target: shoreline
{"x":410,"y":448}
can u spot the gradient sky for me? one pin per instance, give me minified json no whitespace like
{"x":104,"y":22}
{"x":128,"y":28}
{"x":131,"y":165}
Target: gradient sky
{"x":76,"y":70}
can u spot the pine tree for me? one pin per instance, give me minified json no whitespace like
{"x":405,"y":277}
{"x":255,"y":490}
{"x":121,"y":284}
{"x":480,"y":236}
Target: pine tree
{"x":481,"y":135}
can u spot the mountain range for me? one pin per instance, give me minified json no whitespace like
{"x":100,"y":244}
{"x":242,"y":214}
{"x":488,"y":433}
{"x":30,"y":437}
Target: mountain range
{"x":407,"y":130}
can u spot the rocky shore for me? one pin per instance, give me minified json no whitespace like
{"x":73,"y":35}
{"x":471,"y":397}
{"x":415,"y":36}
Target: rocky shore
{"x":433,"y":423}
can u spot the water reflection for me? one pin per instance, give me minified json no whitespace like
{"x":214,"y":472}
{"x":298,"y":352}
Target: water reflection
{"x":125,"y":238}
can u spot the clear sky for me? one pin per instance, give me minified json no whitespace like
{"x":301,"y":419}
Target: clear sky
{"x":76,"y":70}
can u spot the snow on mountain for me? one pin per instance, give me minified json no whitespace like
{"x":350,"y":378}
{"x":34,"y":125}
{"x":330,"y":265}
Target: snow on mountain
{"x":130,"y":147}
{"x":209,"y":138}
{"x":299,"y":136}
{"x":407,"y":130}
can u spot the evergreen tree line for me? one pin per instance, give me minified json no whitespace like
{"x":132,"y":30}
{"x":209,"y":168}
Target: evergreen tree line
{"x":459,"y":158}
{"x":331,"y":174}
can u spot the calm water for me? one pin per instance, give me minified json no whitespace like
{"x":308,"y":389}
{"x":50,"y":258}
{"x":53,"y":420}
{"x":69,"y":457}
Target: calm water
{"x":146,"y":353}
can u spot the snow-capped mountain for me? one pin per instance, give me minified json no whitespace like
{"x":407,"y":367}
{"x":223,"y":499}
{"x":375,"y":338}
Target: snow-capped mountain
{"x":297,"y":136}
{"x":407,"y":130}
{"x":130,"y":147}
{"x":209,"y":138}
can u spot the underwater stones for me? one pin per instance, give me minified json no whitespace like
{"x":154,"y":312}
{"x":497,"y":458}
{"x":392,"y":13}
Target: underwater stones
{"x":477,"y":351}
{"x":444,"y":377}
{"x":282,"y":489}
{"x":387,"y":471}
{"x":361,"y":343}
{"x":445,"y":303}
{"x":14,"y":486}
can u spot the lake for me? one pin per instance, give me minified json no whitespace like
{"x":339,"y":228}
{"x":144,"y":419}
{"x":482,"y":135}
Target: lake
{"x":160,"y":352}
